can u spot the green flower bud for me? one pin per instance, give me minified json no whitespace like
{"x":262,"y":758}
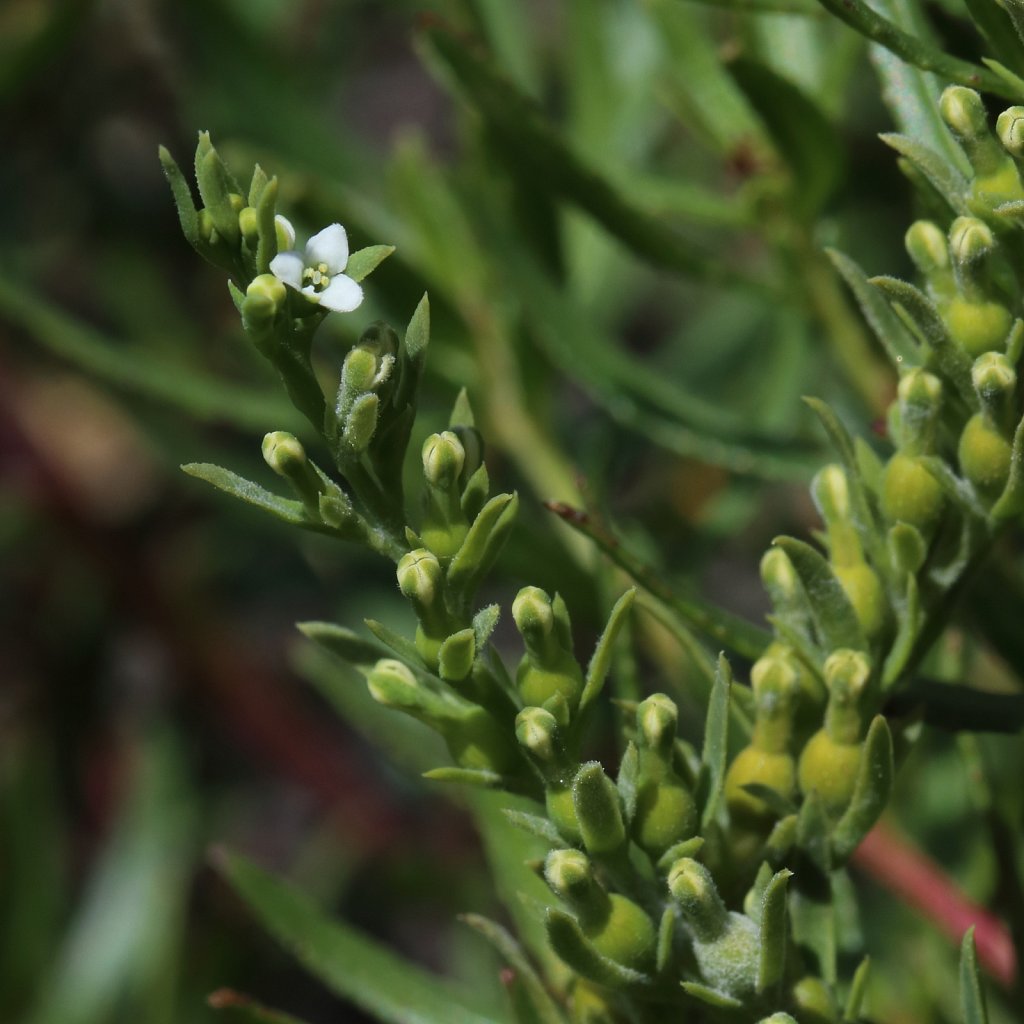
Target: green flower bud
{"x":598,"y":811}
{"x":767,"y":760}
{"x":284,"y":454}
{"x":656,"y":720}
{"x":726,"y":945}
{"x":421,"y":580}
{"x":666,"y":812}
{"x":964,"y":112}
{"x":926,"y":245}
{"x":547,"y":668}
{"x":829,"y":762}
{"x":910,"y":494}
{"x":616,"y":927}
{"x":537,"y":731}
{"x":978,"y":327}
{"x":249,"y":225}
{"x":814,"y":1001}
{"x":985,"y":456}
{"x":995,"y":381}
{"x":444,"y":523}
{"x":443,"y":459}
{"x":265,"y":299}
{"x":1010,"y":129}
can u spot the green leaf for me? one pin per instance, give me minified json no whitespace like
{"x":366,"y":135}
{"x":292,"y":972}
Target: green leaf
{"x":544,"y":1009}
{"x":909,"y":629}
{"x":188,"y":216}
{"x":569,"y":942}
{"x":947,"y":179}
{"x":715,"y":752}
{"x":480,"y":777}
{"x":1011,"y":502}
{"x":859,"y":16}
{"x":774,"y":932}
{"x":537,"y":150}
{"x":344,"y":643}
{"x":351,"y":964}
{"x":286,"y":509}
{"x":535,"y":825}
{"x":870,"y":794}
{"x":946,"y":356}
{"x":894,"y":336}
{"x":144,"y":373}
{"x":972,"y":995}
{"x":803,"y":135}
{"x":833,"y":614}
{"x":597,"y":670}
{"x":711,"y":996}
{"x":417,"y":334}
{"x":858,"y":992}
{"x":1013,"y":82}
{"x":405,"y":649}
{"x":478,"y":552}
{"x":364,"y":262}
{"x":717,"y":624}
{"x":244,"y":1007}
{"x":912,"y":95}
{"x":996,"y":26}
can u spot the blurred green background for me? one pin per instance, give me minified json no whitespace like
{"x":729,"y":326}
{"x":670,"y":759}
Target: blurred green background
{"x":629,"y":279}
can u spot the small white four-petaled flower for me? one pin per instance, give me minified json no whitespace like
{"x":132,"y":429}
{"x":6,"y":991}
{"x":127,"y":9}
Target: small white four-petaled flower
{"x":317,"y":272}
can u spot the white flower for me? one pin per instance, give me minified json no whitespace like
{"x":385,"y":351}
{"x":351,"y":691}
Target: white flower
{"x":318,"y":272}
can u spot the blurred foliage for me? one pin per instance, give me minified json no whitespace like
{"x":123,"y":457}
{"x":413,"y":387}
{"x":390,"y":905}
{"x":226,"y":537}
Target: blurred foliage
{"x":620,"y":209}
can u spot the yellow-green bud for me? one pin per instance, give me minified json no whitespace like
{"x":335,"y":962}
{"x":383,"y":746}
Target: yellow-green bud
{"x":420,"y":577}
{"x":656,"y":720}
{"x":537,"y":731}
{"x":978,"y":327}
{"x":284,"y":454}
{"x":249,"y":225}
{"x":910,"y":494}
{"x":547,"y":669}
{"x":616,"y":927}
{"x":814,"y":1001}
{"x":995,"y":381}
{"x":264,"y":299}
{"x":995,"y":173}
{"x":1010,"y":129}
{"x":236,"y":201}
{"x":926,"y":246}
{"x":694,"y":890}
{"x":961,"y":108}
{"x":531,"y":611}
{"x":443,"y":459}
{"x":867,"y":596}
{"x":985,"y":456}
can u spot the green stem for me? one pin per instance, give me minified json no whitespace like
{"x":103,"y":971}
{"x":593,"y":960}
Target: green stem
{"x":880,"y":30}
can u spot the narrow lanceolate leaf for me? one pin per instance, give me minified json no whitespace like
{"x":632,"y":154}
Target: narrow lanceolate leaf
{"x":716,"y":743}
{"x":910,"y":620}
{"x":894,"y":336}
{"x":183,"y":201}
{"x":858,"y":990}
{"x":544,"y":1010}
{"x":946,"y":179}
{"x":803,"y":135}
{"x":479,"y":777}
{"x":345,"y":643}
{"x":597,"y":670}
{"x":572,"y":946}
{"x":711,"y":996}
{"x":251,"y":493}
{"x":833,"y":614}
{"x":535,"y":825}
{"x":538,"y":151}
{"x":482,"y":545}
{"x":774,"y":933}
{"x":946,"y":356}
{"x":1011,"y":502}
{"x":859,"y":16}
{"x":364,"y":262}
{"x":912,"y":95}
{"x":972,"y":996}
{"x":244,"y":1008}
{"x":871,"y":793}
{"x":351,"y":964}
{"x":867,"y":522}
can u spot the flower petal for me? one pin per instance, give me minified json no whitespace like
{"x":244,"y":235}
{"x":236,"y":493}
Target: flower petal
{"x":342,"y":294}
{"x":285,"y":232}
{"x":329,"y":246}
{"x":288,"y":267}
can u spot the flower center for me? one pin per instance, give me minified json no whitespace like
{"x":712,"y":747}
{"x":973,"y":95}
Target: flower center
{"x":318,"y":277}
